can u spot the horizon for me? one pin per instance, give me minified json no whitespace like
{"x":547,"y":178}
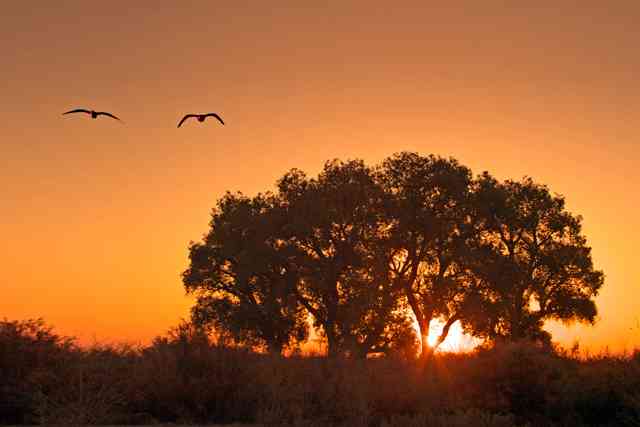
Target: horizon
{"x":97,"y":215}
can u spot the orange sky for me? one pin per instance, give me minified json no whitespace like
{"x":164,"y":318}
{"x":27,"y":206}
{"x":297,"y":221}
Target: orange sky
{"x":96,"y":216}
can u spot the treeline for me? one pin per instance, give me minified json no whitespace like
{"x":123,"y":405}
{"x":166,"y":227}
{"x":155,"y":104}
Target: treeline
{"x":362,"y":251}
{"x":185,"y":377}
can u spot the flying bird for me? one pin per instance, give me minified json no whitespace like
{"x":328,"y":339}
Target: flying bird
{"x":94,"y":114}
{"x":200,"y":117}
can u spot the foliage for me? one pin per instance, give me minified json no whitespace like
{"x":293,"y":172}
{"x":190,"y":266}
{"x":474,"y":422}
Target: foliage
{"x":336,"y":226}
{"x":428,"y":215}
{"x":185,"y":377}
{"x":30,"y":355}
{"x":533,"y":263}
{"x":362,"y":251}
{"x":242,"y":277}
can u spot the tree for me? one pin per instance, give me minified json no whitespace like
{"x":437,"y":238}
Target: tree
{"x":242,"y":278}
{"x":428,"y":214}
{"x":360,"y":251}
{"x":336,"y":226}
{"x":533,"y":263}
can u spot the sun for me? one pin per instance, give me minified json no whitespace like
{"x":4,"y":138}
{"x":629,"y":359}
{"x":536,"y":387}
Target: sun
{"x":457,"y":341}
{"x":453,"y":340}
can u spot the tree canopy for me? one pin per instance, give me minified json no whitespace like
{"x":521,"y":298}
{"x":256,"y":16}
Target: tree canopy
{"x":428,"y":215}
{"x":533,"y":263}
{"x":337,"y":226}
{"x":361,"y":252}
{"x":240,"y":273}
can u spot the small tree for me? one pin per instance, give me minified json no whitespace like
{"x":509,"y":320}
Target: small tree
{"x":533,"y":263}
{"x":241,"y":276}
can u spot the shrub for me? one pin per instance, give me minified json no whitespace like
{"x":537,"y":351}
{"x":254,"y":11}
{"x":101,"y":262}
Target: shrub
{"x":185,"y":377}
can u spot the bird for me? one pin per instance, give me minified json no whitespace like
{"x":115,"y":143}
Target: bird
{"x":94,"y":114}
{"x":200,"y":117}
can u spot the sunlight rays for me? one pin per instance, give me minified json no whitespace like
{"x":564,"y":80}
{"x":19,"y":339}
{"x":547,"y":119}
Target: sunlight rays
{"x":456,"y":342}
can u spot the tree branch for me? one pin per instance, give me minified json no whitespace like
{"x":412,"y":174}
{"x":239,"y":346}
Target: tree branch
{"x":445,"y":330}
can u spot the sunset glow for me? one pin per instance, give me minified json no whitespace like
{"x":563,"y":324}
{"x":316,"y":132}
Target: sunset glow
{"x":97,"y":215}
{"x":456,"y":340}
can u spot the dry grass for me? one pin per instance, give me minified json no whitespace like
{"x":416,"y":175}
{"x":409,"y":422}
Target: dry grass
{"x":45,"y":379}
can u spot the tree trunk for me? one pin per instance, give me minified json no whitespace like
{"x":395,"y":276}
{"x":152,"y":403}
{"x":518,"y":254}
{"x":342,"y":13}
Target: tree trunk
{"x":424,"y":320}
{"x":516,"y":316}
{"x":359,"y":351}
{"x":426,"y":350}
{"x":275,"y":349}
{"x":332,"y":342}
{"x":445,"y":331}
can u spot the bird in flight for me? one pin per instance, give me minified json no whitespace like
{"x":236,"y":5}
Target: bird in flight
{"x":200,"y":117}
{"x":94,"y":114}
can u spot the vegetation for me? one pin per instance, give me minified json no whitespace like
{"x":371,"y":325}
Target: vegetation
{"x":359,"y":254}
{"x":363,"y":251}
{"x":186,"y":377}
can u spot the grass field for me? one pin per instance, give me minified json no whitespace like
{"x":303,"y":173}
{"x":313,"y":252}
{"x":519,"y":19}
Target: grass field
{"x":48,"y":380}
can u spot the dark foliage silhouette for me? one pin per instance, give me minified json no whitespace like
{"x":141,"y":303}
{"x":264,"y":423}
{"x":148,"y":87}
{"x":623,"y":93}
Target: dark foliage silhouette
{"x":29,"y":353}
{"x":533,"y":263}
{"x":428,"y":212}
{"x":336,"y":225}
{"x":187,"y":377}
{"x":355,"y":252}
{"x":360,"y":251}
{"x":242,"y":277}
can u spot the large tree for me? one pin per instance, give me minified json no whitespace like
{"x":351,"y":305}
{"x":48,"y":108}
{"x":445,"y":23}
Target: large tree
{"x":533,"y":264}
{"x":429,"y":217}
{"x":242,"y":278}
{"x":336,"y":225}
{"x":360,"y":250}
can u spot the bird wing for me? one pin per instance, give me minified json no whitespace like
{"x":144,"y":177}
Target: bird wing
{"x":77,"y":110}
{"x":214,"y":115}
{"x":104,"y":113}
{"x":186,"y":117}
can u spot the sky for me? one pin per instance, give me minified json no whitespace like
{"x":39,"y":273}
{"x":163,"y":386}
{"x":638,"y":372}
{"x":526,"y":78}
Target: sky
{"x":96,"y":215}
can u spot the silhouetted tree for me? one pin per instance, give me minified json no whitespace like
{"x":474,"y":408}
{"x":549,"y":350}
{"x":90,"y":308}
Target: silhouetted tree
{"x":361,"y":250}
{"x":428,"y":214}
{"x":240,"y":273}
{"x":533,"y":264}
{"x":336,"y":224}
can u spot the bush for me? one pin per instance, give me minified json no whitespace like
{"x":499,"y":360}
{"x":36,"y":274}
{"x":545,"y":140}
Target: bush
{"x":185,"y":377}
{"x":31,"y":360}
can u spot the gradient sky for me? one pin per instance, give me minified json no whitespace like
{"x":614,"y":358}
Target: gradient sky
{"x":96,"y":216}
